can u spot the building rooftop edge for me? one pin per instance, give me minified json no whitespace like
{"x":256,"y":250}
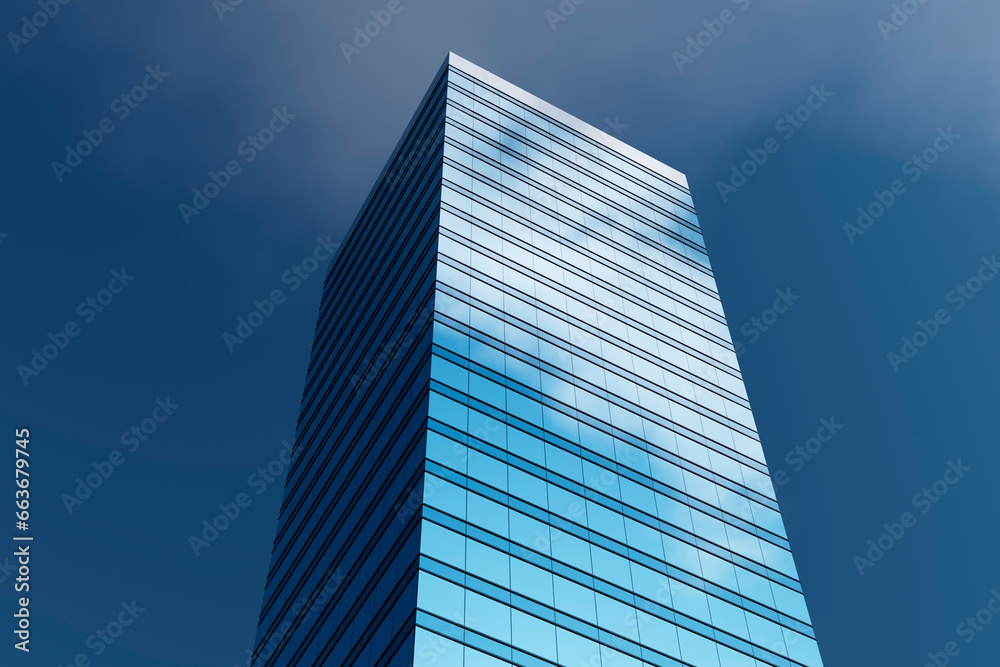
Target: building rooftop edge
{"x":458,"y":62}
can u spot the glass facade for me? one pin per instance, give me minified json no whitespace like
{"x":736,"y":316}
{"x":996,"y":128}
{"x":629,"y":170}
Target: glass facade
{"x":524,"y":437}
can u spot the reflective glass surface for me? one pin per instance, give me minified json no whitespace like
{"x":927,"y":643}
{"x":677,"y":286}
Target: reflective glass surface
{"x":595,"y":491}
{"x":524,"y":437}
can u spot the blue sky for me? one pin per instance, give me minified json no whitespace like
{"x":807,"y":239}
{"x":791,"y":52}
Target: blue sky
{"x":199,"y":78}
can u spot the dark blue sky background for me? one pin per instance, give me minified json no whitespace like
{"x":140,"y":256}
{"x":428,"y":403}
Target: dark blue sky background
{"x":161,"y":336}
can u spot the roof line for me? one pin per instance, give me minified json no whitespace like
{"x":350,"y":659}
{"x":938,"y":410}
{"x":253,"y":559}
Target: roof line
{"x":569,"y":120}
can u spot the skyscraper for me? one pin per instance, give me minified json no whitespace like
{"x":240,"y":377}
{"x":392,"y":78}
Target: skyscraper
{"x":524,"y":438}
